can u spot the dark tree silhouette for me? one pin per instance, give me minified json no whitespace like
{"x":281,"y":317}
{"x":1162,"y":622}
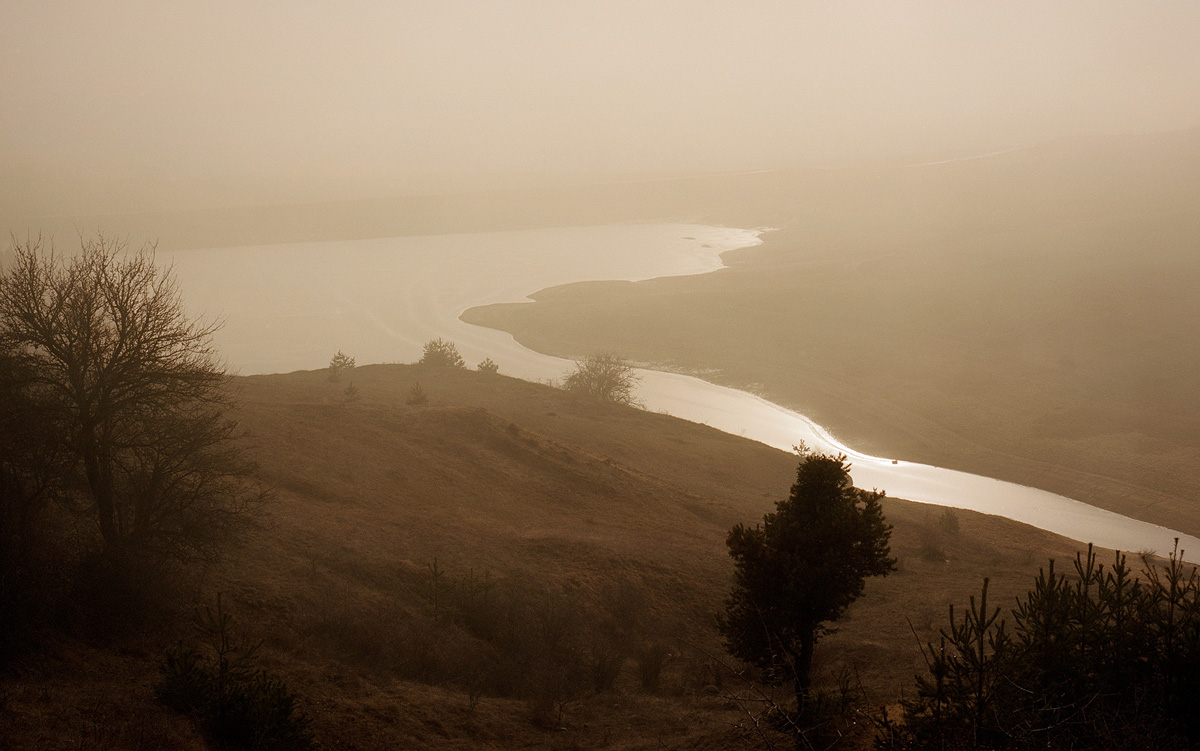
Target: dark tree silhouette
{"x":101,"y":345}
{"x":31,"y":466}
{"x":801,"y":568}
{"x":1098,"y":658}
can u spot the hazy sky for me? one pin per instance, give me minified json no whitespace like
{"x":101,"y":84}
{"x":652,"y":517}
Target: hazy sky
{"x":111,"y":106}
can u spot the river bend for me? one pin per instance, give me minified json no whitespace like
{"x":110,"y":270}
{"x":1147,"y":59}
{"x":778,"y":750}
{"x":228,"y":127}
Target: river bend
{"x":291,"y":306}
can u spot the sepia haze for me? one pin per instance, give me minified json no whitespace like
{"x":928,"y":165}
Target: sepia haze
{"x":146,"y":106}
{"x":978,"y":246}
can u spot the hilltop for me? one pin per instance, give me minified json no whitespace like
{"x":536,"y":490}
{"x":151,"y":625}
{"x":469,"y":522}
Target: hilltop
{"x":583,"y":512}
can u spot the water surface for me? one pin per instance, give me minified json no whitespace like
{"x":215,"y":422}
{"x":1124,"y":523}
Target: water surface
{"x":292,"y":306}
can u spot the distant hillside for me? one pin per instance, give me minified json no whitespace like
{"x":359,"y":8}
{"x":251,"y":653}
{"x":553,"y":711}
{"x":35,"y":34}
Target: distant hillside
{"x":1029,"y":315}
{"x":578,"y":511}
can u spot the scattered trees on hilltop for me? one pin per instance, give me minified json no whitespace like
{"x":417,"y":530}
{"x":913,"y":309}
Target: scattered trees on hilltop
{"x":801,"y":568}
{"x":443,"y":353}
{"x":604,"y":375}
{"x":115,"y":406}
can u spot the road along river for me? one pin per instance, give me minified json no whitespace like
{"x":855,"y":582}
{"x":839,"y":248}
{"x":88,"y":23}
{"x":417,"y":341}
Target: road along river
{"x":292,"y":306}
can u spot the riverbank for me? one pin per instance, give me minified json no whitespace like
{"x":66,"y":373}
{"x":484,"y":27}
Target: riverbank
{"x":988,"y":316}
{"x":289,"y":306}
{"x":520,"y":494}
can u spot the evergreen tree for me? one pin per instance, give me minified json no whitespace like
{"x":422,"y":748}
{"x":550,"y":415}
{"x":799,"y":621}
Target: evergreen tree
{"x":442,"y":353}
{"x":801,"y":568}
{"x":1098,"y":658}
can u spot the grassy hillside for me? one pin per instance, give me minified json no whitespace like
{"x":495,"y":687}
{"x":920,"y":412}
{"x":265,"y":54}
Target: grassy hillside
{"x":1029,"y":316}
{"x":576,"y":511}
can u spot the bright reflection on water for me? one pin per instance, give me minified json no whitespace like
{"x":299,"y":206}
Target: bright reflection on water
{"x":292,"y":306}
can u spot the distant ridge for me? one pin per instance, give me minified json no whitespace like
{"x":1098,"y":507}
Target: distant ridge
{"x":758,"y":197}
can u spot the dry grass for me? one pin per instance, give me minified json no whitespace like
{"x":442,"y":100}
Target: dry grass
{"x":540,"y":489}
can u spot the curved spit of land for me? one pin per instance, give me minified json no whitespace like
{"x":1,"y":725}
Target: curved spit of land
{"x":291,"y":306}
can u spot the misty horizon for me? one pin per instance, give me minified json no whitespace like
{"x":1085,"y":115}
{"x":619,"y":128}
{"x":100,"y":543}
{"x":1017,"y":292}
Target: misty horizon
{"x":147,"y":107}
{"x":544,"y":375}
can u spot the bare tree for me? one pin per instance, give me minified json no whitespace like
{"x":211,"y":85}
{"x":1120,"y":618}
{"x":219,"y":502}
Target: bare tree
{"x":31,"y":463}
{"x":140,"y":401}
{"x":603,"y":375}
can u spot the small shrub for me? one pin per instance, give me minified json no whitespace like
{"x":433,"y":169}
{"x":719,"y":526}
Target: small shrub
{"x":935,"y":534}
{"x":948,"y":521}
{"x":239,"y":705}
{"x":932,"y":552}
{"x":442,"y":353}
{"x":487,"y":366}
{"x":416,"y":395}
{"x":368,"y":634}
{"x":603,"y":376}
{"x":338,"y":364}
{"x":351,"y":393}
{"x":652,"y":656}
{"x":605,"y":661}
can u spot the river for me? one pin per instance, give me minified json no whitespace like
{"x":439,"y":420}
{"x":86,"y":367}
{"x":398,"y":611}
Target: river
{"x":291,"y":306}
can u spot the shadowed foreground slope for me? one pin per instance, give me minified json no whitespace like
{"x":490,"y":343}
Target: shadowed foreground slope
{"x":564,"y":499}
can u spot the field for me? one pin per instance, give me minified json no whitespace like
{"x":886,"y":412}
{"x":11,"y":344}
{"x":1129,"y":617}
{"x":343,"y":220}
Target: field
{"x":1028,"y":316}
{"x":563,"y":499}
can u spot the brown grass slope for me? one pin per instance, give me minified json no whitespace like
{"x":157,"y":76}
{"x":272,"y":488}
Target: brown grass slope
{"x":1030,"y":316}
{"x":531,"y":485}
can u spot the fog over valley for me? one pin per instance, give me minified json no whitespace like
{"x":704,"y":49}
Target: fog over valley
{"x":680,"y":374}
{"x":143,"y":106}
